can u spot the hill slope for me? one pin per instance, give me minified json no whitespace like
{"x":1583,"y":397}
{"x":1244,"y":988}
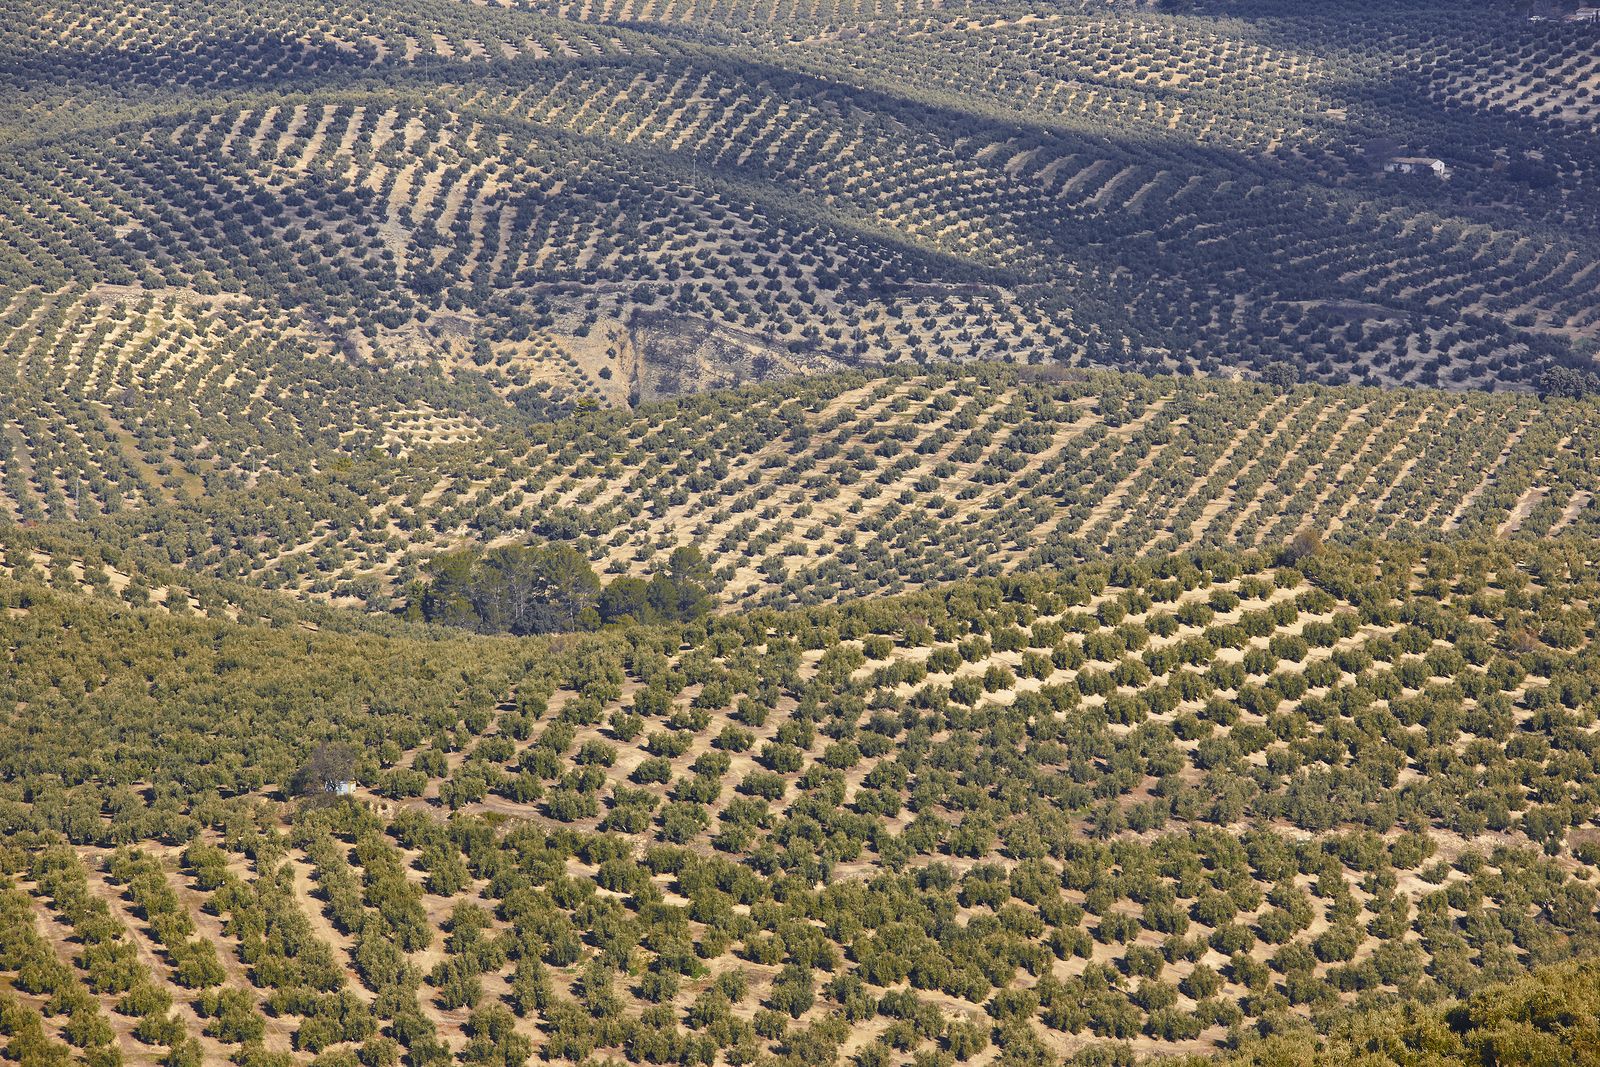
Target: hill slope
{"x":1143,"y":803}
{"x":850,"y":484}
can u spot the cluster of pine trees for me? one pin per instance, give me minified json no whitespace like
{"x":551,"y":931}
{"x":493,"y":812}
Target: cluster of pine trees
{"x":523,"y":589}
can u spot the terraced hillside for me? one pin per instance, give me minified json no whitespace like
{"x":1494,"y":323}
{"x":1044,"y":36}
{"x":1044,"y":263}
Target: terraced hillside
{"x":1139,"y":807}
{"x":840,"y":486}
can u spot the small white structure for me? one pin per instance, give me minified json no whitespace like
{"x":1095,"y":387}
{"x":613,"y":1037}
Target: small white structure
{"x":1587,"y":13}
{"x":1417,"y":165}
{"x":344,"y":789}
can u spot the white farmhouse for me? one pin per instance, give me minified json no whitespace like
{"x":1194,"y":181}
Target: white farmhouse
{"x":1417,"y":165}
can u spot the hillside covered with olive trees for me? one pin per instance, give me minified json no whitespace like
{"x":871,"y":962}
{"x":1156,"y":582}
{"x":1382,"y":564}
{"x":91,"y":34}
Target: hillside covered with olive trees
{"x":860,"y":533}
{"x":247,"y":238}
{"x":1169,"y":806}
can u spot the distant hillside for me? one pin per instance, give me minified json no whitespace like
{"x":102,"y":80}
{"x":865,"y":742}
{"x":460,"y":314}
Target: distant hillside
{"x":421,"y":220}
